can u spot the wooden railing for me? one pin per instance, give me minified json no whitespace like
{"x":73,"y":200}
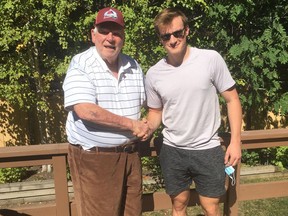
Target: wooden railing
{"x":56,"y":154}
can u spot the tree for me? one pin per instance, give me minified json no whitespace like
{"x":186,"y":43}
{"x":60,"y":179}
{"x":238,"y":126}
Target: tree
{"x":39,"y":37}
{"x":252,"y":36}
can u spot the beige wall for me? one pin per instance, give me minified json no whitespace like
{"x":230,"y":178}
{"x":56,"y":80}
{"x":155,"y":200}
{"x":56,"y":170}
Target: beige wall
{"x":13,"y":126}
{"x":21,"y":127}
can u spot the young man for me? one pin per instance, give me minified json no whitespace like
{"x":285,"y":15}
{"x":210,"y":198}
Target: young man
{"x":182,"y":93}
{"x":104,"y":93}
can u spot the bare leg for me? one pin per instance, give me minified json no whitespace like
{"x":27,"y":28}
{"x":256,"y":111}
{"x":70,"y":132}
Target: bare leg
{"x":179,"y":203}
{"x":210,"y":205}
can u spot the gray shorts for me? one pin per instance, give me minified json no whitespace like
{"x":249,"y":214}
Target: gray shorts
{"x":205,"y":167}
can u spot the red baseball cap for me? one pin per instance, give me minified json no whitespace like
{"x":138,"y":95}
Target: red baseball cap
{"x":109,"y":15}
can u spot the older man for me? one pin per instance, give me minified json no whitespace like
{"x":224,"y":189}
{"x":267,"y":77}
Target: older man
{"x":104,"y":92}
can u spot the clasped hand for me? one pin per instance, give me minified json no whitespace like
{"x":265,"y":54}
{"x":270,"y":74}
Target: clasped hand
{"x":141,"y":129}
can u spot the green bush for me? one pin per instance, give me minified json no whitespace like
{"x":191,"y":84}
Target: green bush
{"x":8,"y":175}
{"x":151,"y":167}
{"x":250,"y":158}
{"x":281,"y":157}
{"x":276,"y":156}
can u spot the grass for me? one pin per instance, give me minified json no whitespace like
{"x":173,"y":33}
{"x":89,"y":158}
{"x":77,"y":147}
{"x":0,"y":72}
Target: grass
{"x":267,"y":207}
{"x":264,"y":207}
{"x":192,"y":211}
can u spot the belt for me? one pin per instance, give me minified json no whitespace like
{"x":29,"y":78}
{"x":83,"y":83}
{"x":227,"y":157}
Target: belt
{"x":127,"y":148}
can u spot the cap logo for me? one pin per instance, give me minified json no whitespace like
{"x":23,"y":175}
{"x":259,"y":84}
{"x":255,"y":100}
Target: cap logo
{"x":110,"y":14}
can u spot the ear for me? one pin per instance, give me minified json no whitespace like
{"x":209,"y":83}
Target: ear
{"x":187,"y":31}
{"x":93,"y":31}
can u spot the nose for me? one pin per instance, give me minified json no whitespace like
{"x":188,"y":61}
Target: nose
{"x":173,"y":39}
{"x":110,"y":36}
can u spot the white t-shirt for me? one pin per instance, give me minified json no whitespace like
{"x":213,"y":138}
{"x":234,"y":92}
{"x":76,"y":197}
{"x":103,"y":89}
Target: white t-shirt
{"x":88,"y":80}
{"x":188,"y":96}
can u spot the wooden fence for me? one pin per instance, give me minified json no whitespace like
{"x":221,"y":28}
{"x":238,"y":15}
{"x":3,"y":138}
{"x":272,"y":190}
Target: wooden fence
{"x":56,"y":154}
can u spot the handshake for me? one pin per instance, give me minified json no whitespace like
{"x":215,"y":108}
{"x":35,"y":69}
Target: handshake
{"x":141,"y":129}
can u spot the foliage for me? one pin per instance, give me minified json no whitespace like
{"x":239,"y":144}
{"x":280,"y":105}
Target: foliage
{"x":250,"y":158}
{"x":8,"y":175}
{"x":281,"y":104}
{"x":276,"y":156}
{"x":281,"y":157}
{"x":252,"y":37}
{"x":152,"y":166}
{"x":37,"y":41}
{"x":141,"y":40}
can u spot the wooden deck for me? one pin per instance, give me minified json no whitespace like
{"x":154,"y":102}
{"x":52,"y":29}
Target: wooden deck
{"x":56,"y":154}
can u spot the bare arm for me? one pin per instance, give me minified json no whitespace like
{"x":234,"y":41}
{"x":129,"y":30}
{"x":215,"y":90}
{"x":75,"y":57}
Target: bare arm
{"x":233,"y":153}
{"x":154,"y":119}
{"x":94,"y":113}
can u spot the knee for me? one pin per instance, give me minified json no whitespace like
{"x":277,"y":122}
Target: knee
{"x":210,"y":206}
{"x":179,"y":205}
{"x":212,"y":210}
{"x":180,"y":202}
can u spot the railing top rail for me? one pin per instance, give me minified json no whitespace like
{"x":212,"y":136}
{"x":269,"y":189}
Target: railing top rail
{"x":31,"y":150}
{"x":249,"y":137}
{"x":264,"y":134}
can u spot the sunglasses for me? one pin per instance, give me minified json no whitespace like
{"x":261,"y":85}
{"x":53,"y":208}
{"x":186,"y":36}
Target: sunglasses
{"x":115,"y":33}
{"x":176,"y":34}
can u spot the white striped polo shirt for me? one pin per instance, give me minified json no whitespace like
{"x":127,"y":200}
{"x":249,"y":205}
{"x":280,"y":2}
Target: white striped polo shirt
{"x":88,"y":80}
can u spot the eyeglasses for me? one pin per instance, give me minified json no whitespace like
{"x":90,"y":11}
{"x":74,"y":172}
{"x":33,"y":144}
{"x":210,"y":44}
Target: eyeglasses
{"x":107,"y":31}
{"x":176,"y":34}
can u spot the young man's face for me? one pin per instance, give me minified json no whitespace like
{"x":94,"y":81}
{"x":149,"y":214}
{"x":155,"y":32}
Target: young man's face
{"x":108,"y":38}
{"x":173,"y":36}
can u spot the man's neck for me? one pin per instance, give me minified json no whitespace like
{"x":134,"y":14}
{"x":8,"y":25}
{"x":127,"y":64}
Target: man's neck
{"x":113,"y":65}
{"x":177,"y":60}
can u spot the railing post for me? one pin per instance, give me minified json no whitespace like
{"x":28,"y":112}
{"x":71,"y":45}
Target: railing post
{"x":231,"y":203}
{"x":61,"y":185}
